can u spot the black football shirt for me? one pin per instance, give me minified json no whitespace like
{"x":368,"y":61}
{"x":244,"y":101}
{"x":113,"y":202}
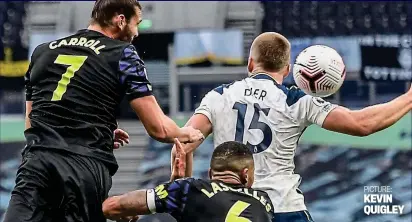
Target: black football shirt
{"x":196,"y":200}
{"x":76,"y":84}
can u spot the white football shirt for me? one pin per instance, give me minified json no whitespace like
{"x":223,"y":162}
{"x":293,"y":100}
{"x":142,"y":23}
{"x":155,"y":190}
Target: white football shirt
{"x":270,"y":119}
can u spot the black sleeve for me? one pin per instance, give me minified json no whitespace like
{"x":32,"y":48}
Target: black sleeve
{"x":27,"y":83}
{"x":169,"y":197}
{"x":133,"y":75}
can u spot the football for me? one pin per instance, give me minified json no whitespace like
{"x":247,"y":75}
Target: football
{"x":319,"y":71}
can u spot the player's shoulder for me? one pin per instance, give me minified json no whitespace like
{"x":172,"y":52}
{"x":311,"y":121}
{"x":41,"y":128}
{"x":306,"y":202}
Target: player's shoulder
{"x":40,"y":48}
{"x":199,"y":183}
{"x":293,"y":95}
{"x":223,"y":88}
{"x":184,"y":181}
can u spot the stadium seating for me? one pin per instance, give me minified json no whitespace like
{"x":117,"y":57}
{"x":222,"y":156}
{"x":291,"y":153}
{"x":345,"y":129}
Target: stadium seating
{"x":312,"y":18}
{"x":11,"y":16}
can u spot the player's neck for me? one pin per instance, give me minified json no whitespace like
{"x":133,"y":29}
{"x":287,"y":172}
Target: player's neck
{"x":98,"y":28}
{"x":228,"y":178}
{"x":276,"y":76}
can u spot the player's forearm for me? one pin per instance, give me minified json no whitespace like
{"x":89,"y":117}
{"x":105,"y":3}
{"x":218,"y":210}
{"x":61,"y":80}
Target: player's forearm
{"x":189,"y":162}
{"x":378,"y":117}
{"x":170,"y":131}
{"x":166,"y":131}
{"x":129,"y":204}
{"x":189,"y":165}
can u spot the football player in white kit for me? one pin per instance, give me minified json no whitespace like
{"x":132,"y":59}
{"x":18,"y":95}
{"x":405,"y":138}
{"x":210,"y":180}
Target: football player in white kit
{"x":261,"y":113}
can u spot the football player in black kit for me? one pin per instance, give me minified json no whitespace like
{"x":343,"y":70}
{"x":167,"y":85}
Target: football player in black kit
{"x":73,"y":87}
{"x":227,"y":197}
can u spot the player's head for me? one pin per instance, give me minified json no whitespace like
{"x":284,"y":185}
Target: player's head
{"x":119,"y":17}
{"x":270,"y":52}
{"x":232,"y":159}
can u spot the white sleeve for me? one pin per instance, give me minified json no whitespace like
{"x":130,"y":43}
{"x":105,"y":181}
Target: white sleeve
{"x":315,"y":110}
{"x":206,"y":107}
{"x":151,"y":200}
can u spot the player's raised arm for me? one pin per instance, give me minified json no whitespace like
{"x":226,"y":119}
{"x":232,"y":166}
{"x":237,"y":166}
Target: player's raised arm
{"x":356,"y":122}
{"x":179,"y":162}
{"x":370,"y":119}
{"x":165,"y":198}
{"x":139,"y":92}
{"x":201,"y":120}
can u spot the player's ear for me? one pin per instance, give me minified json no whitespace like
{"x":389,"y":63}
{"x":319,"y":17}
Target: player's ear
{"x":287,"y":71}
{"x":209,"y":173}
{"x":244,"y":176}
{"x":121,"y":21}
{"x":250,"y":64}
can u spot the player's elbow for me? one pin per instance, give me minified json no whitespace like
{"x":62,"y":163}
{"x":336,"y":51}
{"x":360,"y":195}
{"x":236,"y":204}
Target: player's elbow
{"x":361,"y":126}
{"x":160,"y":134}
{"x":363,"y":131}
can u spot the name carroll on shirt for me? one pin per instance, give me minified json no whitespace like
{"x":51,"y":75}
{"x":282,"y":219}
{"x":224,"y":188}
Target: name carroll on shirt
{"x":216,"y":188}
{"x":83,"y":42}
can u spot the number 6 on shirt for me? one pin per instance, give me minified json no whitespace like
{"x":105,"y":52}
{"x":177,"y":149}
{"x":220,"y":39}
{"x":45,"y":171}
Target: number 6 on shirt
{"x":74,"y":63}
{"x":234,"y":212}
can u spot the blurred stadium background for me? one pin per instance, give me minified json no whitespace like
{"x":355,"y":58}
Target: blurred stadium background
{"x":191,"y":47}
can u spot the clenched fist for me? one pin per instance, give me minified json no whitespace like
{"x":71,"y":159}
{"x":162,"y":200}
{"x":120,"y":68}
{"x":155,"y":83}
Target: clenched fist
{"x":190,"y":135}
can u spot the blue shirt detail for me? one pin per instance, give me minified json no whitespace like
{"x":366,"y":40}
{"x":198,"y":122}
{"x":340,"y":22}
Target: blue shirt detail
{"x":174,"y":201}
{"x":220,"y":88}
{"x":133,"y":75}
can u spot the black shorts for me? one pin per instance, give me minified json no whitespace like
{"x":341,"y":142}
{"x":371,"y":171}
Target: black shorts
{"x":58,"y":186}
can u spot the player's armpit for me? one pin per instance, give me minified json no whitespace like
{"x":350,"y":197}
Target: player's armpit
{"x":127,"y":205}
{"x":370,"y":119}
{"x":28,"y":110}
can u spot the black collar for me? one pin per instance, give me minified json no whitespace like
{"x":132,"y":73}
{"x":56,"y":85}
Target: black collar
{"x":264,"y":76}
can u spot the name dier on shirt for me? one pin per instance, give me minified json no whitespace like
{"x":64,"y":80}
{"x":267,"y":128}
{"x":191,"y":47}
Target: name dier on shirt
{"x":257,"y":93}
{"x":84,"y":42}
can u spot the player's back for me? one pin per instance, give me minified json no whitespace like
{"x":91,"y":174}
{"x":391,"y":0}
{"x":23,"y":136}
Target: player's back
{"x":205,"y":201}
{"x":76,"y":84}
{"x":269,"y":119}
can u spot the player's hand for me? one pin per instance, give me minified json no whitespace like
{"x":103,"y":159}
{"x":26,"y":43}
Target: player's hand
{"x":121,"y":138}
{"x":179,"y":164}
{"x":190,"y":135}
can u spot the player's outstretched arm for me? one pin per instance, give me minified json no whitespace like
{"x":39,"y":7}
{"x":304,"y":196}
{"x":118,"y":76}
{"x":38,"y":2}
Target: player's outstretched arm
{"x":159,"y":126}
{"x":166,"y":198}
{"x":370,"y":119}
{"x":179,"y":163}
{"x":126,"y":206}
{"x":138,"y":91}
{"x":202,"y":123}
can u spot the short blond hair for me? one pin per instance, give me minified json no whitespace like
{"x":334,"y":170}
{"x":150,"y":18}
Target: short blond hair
{"x":271,"y":51}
